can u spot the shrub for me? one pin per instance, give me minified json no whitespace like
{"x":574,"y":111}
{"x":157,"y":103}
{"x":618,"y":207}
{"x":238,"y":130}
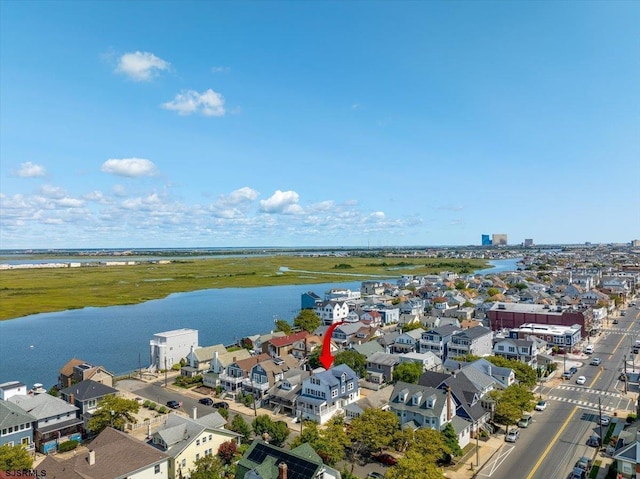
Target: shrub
{"x":176,"y":367}
{"x":152,"y":405}
{"x":67,"y":446}
{"x":162,"y":409}
{"x":223,"y":412}
{"x":146,"y":403}
{"x":631,"y":418}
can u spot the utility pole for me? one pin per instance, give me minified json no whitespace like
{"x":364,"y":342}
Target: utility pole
{"x":600,"y":420}
{"x":165,"y":371}
{"x":477,"y":444}
{"x":625,"y":374}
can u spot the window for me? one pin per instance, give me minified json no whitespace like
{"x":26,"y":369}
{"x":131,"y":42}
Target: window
{"x":197,"y":456}
{"x":500,"y":348}
{"x":25,"y":441}
{"x":334,"y":393}
{"x":210,"y":437}
{"x":512,"y":349}
{"x":349,"y":386}
{"x":184,"y":463}
{"x":156,"y":469}
{"x":198,"y":442}
{"x":204,"y":439}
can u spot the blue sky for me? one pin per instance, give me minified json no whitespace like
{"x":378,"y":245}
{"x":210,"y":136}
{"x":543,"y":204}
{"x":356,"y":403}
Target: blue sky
{"x":195,"y":124}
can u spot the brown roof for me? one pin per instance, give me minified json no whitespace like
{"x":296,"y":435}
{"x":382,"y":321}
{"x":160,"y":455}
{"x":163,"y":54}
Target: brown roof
{"x":67,"y":369}
{"x":290,"y":339}
{"x":116,"y":455}
{"x":247,"y":364}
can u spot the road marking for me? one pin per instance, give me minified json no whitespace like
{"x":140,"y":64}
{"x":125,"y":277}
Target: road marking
{"x":497,"y":462}
{"x":552,"y":443}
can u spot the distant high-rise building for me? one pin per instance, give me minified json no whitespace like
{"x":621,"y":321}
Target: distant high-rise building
{"x":499,"y":240}
{"x":635,"y":243}
{"x":528,"y":243}
{"x":486,"y":240}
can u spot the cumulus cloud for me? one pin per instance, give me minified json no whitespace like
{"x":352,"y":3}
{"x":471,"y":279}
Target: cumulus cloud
{"x":242,"y":195}
{"x":282,"y":202}
{"x":130,"y":167}
{"x":187,"y":102}
{"x":235,"y":204}
{"x":54,"y":192}
{"x":141,"y":66}
{"x":31,"y":170}
{"x":70,"y":202}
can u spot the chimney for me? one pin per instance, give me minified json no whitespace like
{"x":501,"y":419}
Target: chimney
{"x":282,"y":470}
{"x":92,"y":457}
{"x":194,"y":413}
{"x":72,"y":399}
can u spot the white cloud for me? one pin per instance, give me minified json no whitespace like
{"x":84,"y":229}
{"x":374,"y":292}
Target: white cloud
{"x":69,"y":202}
{"x":235,"y":204}
{"x":141,"y":66}
{"x":54,"y":192}
{"x":242,"y":195}
{"x":31,"y":170}
{"x":130,"y":167}
{"x":187,"y":102}
{"x":215,"y":70}
{"x":282,"y":202}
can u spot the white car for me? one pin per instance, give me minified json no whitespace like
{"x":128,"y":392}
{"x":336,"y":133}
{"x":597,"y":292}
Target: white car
{"x":581,"y":380}
{"x":541,"y":406}
{"x":513,"y":435}
{"x":595,"y":362}
{"x":605,"y":420}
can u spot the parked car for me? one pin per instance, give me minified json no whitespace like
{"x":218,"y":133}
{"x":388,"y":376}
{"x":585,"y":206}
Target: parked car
{"x":174,"y":404}
{"x":604,"y":420}
{"x":594,"y":441}
{"x":375,"y":475}
{"x":513,"y":435}
{"x":525,"y":420}
{"x":578,"y":473}
{"x":615,"y":321}
{"x":220,"y":405}
{"x":542,"y":405}
{"x":206,"y":401}
{"x":385,"y":458}
{"x":595,"y":362}
{"x":581,"y":380}
{"x":573,"y":370}
{"x":584,"y":463}
{"x":623,"y":313}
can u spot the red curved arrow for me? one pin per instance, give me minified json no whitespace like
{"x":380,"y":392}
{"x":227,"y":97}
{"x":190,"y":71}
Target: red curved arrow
{"x":326,"y":358}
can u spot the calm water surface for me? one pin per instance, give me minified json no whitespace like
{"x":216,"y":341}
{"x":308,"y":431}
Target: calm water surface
{"x":34,"y":348}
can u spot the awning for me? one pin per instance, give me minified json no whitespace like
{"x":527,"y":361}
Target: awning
{"x":59,"y":425}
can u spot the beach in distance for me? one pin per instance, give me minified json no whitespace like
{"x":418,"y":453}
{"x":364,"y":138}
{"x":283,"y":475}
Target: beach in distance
{"x":25,"y":292}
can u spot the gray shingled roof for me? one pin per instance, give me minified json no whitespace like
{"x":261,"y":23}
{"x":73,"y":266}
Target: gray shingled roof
{"x":88,"y":389}
{"x":13,"y":415}
{"x":43,"y":406}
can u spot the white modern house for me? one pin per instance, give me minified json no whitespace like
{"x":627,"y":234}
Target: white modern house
{"x":170,"y":347}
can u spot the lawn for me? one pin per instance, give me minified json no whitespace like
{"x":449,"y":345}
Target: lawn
{"x":30,"y":291}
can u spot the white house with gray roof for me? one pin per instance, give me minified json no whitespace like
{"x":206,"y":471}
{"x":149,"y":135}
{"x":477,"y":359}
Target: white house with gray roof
{"x":15,"y":425}
{"x":477,"y":341}
{"x":380,"y":367}
{"x":408,"y":342}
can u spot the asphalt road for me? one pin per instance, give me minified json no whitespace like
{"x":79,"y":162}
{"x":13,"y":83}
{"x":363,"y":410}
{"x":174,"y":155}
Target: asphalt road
{"x":557,"y":437}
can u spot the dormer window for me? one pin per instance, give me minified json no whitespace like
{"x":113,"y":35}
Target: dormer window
{"x":402,"y":396}
{"x":415,"y":399}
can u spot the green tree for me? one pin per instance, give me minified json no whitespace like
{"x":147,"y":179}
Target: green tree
{"x":414,"y":466}
{"x":511,"y":403}
{"x":239,"y":425}
{"x":408,"y":372}
{"x":524,"y":373}
{"x":468,"y":304}
{"x":451,"y":439}
{"x":430,"y":444}
{"x":115,"y":412}
{"x":207,"y":467}
{"x":313,"y":360}
{"x":353,"y":359}
{"x":521,"y":286}
{"x":372,"y":430}
{"x":307,"y":320}
{"x":310,"y":434}
{"x":411,"y":326}
{"x":282,"y":325}
{"x":329,"y":442}
{"x":53,"y":391}
{"x":461,"y":285}
{"x":14,"y":458}
{"x":492,"y":292}
{"x":277,"y":431}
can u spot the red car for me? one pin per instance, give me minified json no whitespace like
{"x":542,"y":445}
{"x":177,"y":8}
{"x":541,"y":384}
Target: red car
{"x":385,"y":458}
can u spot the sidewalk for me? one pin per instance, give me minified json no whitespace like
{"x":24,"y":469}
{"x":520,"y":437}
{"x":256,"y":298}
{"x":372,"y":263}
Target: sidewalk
{"x":466,"y":467}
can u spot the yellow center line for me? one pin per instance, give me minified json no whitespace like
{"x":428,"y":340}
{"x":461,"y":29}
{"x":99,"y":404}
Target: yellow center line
{"x":552,"y":443}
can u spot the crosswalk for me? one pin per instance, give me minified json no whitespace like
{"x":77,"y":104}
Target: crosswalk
{"x":591,"y":391}
{"x":584,"y":404}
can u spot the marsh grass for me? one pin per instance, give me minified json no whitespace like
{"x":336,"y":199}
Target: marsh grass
{"x":31,"y":291}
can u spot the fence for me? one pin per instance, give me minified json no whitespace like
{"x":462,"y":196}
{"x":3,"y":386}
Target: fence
{"x":154,"y":421}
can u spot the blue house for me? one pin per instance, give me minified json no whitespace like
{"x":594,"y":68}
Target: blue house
{"x":309,"y":300}
{"x":15,"y":425}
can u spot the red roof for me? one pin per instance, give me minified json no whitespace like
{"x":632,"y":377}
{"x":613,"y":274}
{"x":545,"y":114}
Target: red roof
{"x":287,"y":340}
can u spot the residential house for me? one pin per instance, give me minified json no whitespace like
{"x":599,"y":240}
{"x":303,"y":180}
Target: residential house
{"x":380,"y":367}
{"x":77,"y":370}
{"x":266,"y":461}
{"x":55,"y":422}
{"x":368,"y":348}
{"x":372,"y":287}
{"x":199,"y":359}
{"x":332,"y":311}
{"x":15,"y":426}
{"x":232,"y":377}
{"x":169,"y":347}
{"x":344,"y":334}
{"x":387,"y":341}
{"x":283,"y":395}
{"x":627,"y":460}
{"x":408,"y":342}
{"x":86,"y":395}
{"x":437,"y":340}
{"x":326,"y":393}
{"x":219,"y":364}
{"x":523,"y":350}
{"x":12,"y":388}
{"x":428,"y":360}
{"x":477,"y":341}
{"x":420,"y":406}
{"x":280,"y":347}
{"x":374,"y":400}
{"x":309,"y":300}
{"x":304,"y":346}
{"x":112,"y":454}
{"x":254,"y":342}
{"x":266,"y":374}
{"x":185,"y":440}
